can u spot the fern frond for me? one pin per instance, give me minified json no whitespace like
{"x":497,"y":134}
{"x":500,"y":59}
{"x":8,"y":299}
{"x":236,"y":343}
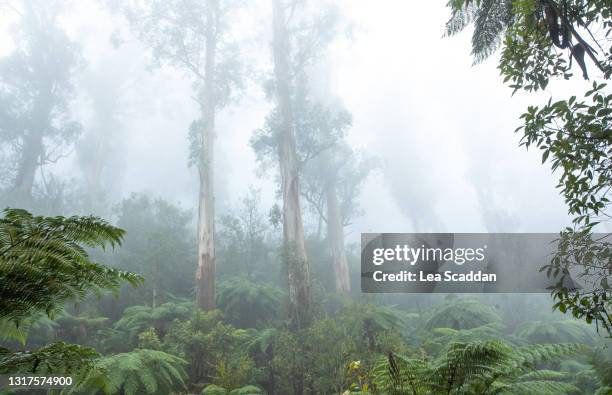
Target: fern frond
{"x":137,"y":372}
{"x":542,"y":387}
{"x":537,"y":353}
{"x":43,"y":262}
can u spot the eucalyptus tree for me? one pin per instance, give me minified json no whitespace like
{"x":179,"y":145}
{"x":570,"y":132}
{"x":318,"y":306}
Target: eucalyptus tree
{"x":98,"y":152}
{"x":300,"y":32}
{"x":540,"y":40}
{"x":332,"y":182}
{"x":36,"y":86}
{"x":193,"y":36}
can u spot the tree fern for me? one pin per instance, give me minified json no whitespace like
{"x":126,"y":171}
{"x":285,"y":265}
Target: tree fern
{"x":490,"y":18}
{"x":476,"y":367}
{"x":43,"y":261}
{"x":43,"y":264}
{"x":53,"y":358}
{"x":137,"y":319}
{"x":437,"y":338}
{"x":462,"y":314}
{"x":556,"y":332}
{"x":136,"y":372}
{"x":376,"y":318}
{"x":246,"y":303}
{"x":537,"y":353}
{"x":540,"y":387}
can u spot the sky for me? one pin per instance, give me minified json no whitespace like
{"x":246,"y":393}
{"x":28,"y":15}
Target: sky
{"x":442,"y":128}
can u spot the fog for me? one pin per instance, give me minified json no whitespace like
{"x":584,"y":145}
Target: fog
{"x":219,"y":162}
{"x":441,"y":127}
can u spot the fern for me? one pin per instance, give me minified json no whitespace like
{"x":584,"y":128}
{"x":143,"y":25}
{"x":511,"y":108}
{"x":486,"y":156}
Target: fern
{"x":53,"y":358}
{"x":136,"y":372}
{"x":462,"y":314}
{"x":246,"y":303}
{"x":490,"y":18}
{"x":538,"y":353}
{"x":43,"y":262}
{"x":11,"y":330}
{"x":248,"y":390}
{"x":476,"y":367}
{"x":439,"y":337}
{"x":541,"y":387}
{"x":556,"y":332}
{"x":137,"y":319}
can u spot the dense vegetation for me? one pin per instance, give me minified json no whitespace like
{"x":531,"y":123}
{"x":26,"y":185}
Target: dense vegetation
{"x":162,"y":299}
{"x":136,"y":344}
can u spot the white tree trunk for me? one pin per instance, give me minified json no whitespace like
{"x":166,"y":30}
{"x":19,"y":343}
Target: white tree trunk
{"x":335,"y":234}
{"x":293,"y":229}
{"x":205,"y":273}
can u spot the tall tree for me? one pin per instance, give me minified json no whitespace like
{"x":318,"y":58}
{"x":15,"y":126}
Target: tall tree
{"x":293,"y":228}
{"x":190,"y":35}
{"x":98,"y":152}
{"x":35,"y":90}
{"x":330,"y":175}
{"x":332,"y":182}
{"x":298,"y":37}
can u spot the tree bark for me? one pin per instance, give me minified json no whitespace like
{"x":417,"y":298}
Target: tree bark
{"x":293,"y":229}
{"x":33,"y":146}
{"x":335,"y":234}
{"x":205,"y":273}
{"x":30,"y":160}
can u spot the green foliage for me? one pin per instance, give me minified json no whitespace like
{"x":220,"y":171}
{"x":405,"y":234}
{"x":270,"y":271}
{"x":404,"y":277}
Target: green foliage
{"x":213,"y":389}
{"x":490,"y":18}
{"x":137,"y":319}
{"x":39,"y":323}
{"x":54,"y":358}
{"x":576,"y":136}
{"x":460,"y":313}
{"x":247,"y":304}
{"x":540,"y":41}
{"x":248,"y":390}
{"x":81,"y":329}
{"x":226,"y":360}
{"x":435,"y":340}
{"x":528,"y":60}
{"x":243,"y":243}
{"x":43,"y":262}
{"x":529,"y":56}
{"x":316,"y":357}
{"x":474,"y":367}
{"x":136,"y":372}
{"x":555,"y":332}
{"x":149,"y":340}
{"x":161,"y":247}
{"x":601,"y":360}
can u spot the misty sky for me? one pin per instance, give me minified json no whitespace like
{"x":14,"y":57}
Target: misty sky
{"x":442,"y":128}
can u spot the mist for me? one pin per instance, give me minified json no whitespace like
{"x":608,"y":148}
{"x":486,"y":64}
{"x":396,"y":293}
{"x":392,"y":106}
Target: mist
{"x":245,"y":160}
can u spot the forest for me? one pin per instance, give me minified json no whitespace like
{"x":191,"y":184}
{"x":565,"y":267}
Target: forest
{"x":184,"y":183}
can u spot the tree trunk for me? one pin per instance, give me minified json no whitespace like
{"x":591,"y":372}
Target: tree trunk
{"x":293,"y":229}
{"x":33,"y":148}
{"x":30,"y":160}
{"x":205,"y":273}
{"x":335,"y":234}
